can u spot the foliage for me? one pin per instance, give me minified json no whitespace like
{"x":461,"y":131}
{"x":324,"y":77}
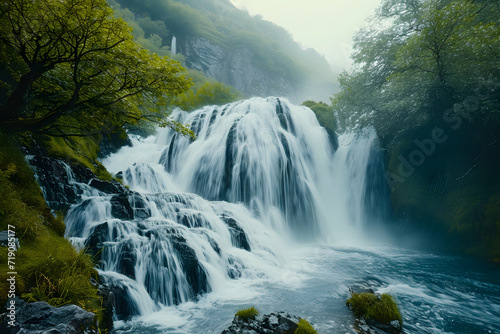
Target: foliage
{"x":21,"y":201}
{"x":210,"y":93}
{"x":370,"y":306}
{"x":75,"y":70}
{"x":62,"y":276}
{"x":305,"y":328}
{"x":272,"y":47}
{"x":324,"y":113}
{"x":417,"y":59}
{"x":247,"y":314}
{"x":422,"y":66}
{"x":48,"y":267}
{"x":78,"y":150}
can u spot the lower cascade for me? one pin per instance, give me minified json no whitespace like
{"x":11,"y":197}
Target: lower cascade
{"x":260,"y":176}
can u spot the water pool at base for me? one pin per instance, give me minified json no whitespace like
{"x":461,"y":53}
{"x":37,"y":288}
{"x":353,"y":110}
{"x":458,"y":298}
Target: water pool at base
{"x":435,"y":293}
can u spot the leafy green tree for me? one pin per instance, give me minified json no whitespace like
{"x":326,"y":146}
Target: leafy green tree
{"x":417,"y":59}
{"x":73,"y":69}
{"x":210,"y":93}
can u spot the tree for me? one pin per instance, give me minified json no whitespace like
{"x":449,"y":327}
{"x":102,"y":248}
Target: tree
{"x":73,"y":69}
{"x":210,"y":93}
{"x":418,"y":59}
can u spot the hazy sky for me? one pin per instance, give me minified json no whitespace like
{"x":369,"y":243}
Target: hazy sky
{"x":325,"y":25}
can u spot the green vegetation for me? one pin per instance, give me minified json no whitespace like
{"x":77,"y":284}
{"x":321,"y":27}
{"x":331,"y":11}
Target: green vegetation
{"x":48,"y":266}
{"x":273,"y":48}
{"x":70,"y":75}
{"x":69,"y":68}
{"x":78,"y":151}
{"x":418,"y":59}
{"x":326,"y":117}
{"x":247,"y":314}
{"x":210,"y":93}
{"x":370,"y":306}
{"x":305,"y":328}
{"x":426,"y":75}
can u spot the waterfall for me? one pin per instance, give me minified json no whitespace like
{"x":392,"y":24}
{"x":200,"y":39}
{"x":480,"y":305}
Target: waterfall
{"x":360,"y":172}
{"x":173,"y":46}
{"x":260,"y":176}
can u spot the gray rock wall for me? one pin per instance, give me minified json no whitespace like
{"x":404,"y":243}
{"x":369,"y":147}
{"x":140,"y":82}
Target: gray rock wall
{"x":235,"y":67}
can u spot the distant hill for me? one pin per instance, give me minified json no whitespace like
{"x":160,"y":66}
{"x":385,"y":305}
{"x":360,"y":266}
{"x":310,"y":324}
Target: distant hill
{"x":227,"y":44}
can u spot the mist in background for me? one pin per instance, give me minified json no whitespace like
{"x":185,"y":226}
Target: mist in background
{"x":325,"y":25}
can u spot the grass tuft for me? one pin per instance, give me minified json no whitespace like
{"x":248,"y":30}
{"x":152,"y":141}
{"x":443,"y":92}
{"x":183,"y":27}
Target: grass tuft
{"x":369,"y":306}
{"x":247,"y":314}
{"x":305,"y":328}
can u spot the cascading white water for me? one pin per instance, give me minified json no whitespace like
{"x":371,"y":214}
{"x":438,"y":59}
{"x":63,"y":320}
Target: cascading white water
{"x":267,"y":154}
{"x":173,"y":46}
{"x":261,"y":174}
{"x":359,"y":171}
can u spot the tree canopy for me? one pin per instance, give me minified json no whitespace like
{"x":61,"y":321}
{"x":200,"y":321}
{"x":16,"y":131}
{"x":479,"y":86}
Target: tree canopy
{"x":418,"y":59}
{"x":70,"y":68}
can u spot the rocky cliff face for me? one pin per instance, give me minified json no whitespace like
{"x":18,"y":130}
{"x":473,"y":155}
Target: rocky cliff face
{"x":235,"y":67}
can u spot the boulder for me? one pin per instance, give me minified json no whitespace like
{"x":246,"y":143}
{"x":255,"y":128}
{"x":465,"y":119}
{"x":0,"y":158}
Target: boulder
{"x":54,"y":177}
{"x":380,"y":313}
{"x":121,"y":208}
{"x":238,"y":237}
{"x":273,"y":323}
{"x":40,"y":317}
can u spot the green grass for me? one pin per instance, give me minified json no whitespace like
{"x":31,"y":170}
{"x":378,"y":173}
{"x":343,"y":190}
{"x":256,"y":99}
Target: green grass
{"x":48,"y":267}
{"x":369,"y":306}
{"x":305,"y":328}
{"x":247,"y":314}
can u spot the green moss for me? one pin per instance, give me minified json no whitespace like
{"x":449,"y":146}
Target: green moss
{"x":78,"y":150}
{"x":305,"y":328}
{"x":247,"y":314}
{"x":370,"y":306}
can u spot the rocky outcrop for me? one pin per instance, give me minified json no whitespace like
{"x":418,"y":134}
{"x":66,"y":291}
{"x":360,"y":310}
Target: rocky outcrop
{"x":40,"y":317}
{"x":235,"y":67}
{"x":273,"y":323}
{"x":374,"y":312}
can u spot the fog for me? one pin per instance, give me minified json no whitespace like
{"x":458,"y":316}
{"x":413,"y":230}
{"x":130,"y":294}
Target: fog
{"x":325,"y":25}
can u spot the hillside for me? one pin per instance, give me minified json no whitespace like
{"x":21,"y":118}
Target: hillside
{"x":226,"y":44}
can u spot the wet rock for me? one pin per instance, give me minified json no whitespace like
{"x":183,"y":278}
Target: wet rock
{"x":120,"y":298}
{"x":40,"y":317}
{"x":273,"y":323}
{"x":111,"y":187}
{"x":54,"y":177}
{"x":238,"y":237}
{"x":121,"y":208}
{"x":128,"y":258}
{"x":196,"y":276}
{"x":141,"y":209}
{"x":96,"y":239}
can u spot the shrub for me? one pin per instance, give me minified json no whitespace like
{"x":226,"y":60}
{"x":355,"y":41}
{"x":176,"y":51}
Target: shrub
{"x":370,"y":306}
{"x":59,"y":275}
{"x":305,"y":328}
{"x":247,"y":314}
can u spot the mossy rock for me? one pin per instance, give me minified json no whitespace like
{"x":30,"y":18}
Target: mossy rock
{"x":379,"y":311}
{"x":247,"y":314}
{"x":305,"y":328}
